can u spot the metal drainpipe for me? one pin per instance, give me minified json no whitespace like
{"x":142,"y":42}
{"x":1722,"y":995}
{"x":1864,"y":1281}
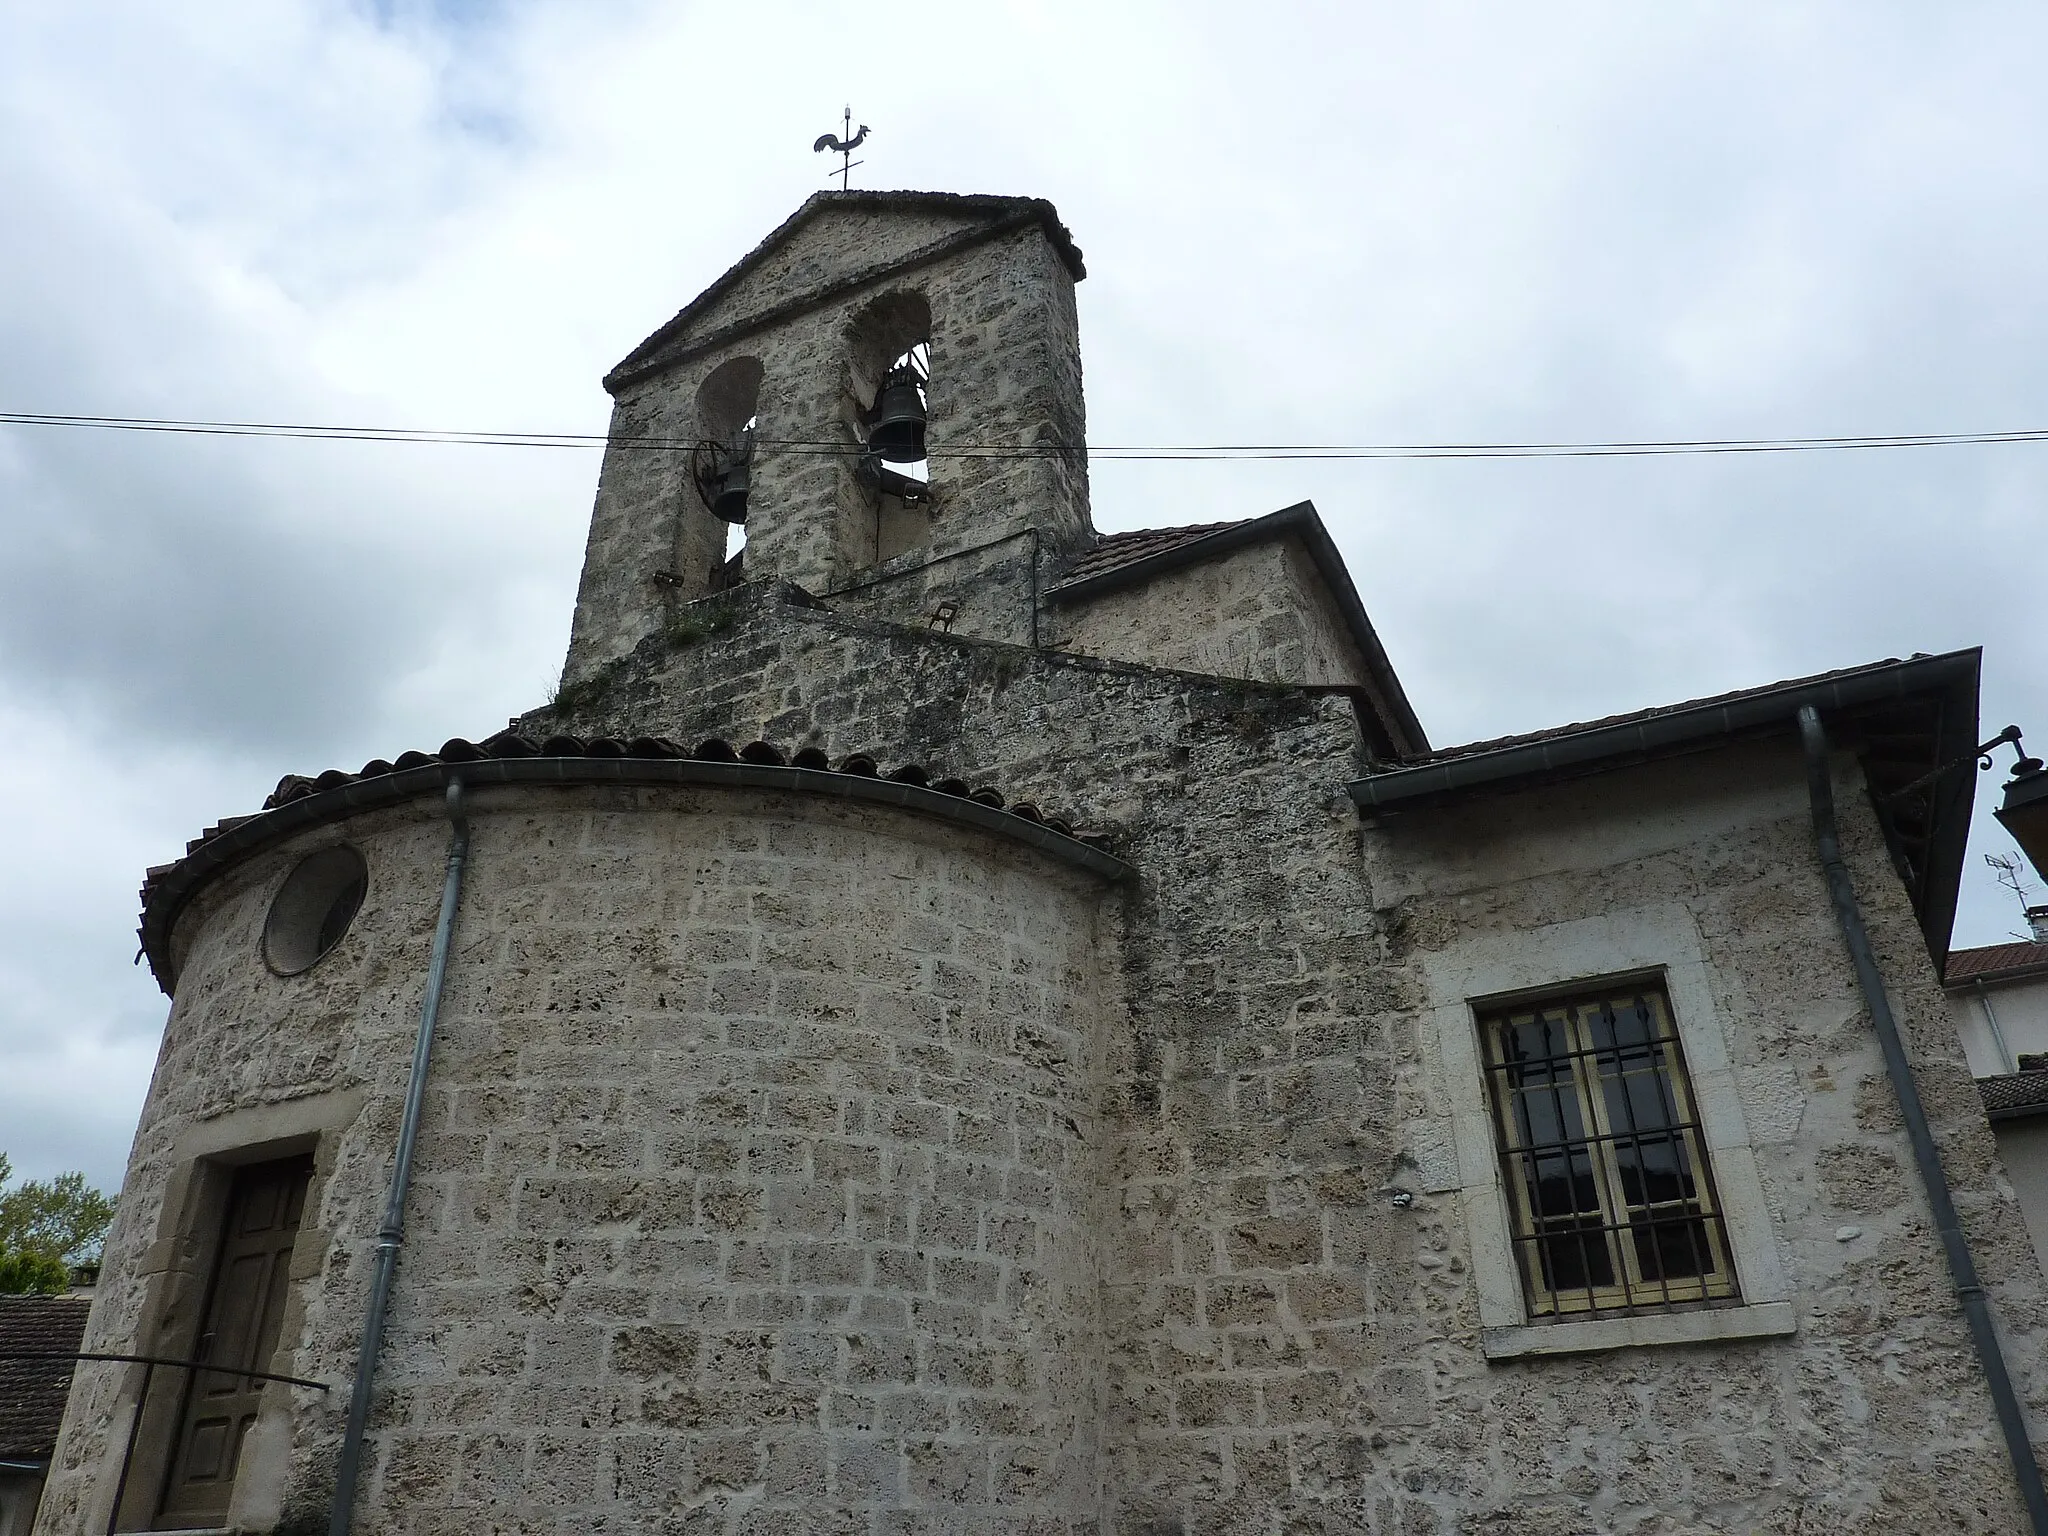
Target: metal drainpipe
{"x":2007,"y":1062}
{"x":1962,"y":1267}
{"x":392,"y":1232}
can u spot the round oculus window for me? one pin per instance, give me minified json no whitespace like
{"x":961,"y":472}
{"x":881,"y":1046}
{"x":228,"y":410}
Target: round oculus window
{"x":313,"y":909}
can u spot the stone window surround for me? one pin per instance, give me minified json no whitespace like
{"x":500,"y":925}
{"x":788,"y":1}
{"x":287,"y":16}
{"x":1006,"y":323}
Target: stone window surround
{"x":177,"y":1269}
{"x":1658,"y":940}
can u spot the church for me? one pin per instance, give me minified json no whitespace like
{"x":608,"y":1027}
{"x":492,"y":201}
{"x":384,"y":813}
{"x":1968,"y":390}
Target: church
{"x":951,"y":1021}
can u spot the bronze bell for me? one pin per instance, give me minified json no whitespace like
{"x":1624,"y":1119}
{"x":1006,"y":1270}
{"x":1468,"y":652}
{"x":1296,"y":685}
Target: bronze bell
{"x":899,"y":415}
{"x":730,"y":502}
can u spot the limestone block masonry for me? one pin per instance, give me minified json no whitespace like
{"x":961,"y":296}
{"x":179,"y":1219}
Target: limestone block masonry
{"x":1253,"y":614}
{"x":799,"y":1163}
{"x":759,"y":1169}
{"x":821,"y":309}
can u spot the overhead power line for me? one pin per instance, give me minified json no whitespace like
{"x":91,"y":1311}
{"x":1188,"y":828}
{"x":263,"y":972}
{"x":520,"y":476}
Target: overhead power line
{"x":1186,"y":452}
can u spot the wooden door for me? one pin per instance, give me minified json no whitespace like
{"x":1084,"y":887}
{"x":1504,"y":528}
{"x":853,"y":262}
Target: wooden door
{"x":244,"y":1304}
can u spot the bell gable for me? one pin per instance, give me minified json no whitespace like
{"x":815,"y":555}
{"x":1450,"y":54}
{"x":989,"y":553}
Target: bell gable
{"x":835,"y":244}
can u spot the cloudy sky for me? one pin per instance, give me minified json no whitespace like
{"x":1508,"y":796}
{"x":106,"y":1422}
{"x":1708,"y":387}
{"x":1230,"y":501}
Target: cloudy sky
{"x":1349,"y":223}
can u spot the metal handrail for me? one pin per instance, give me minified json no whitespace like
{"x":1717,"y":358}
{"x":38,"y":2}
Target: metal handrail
{"x":149,"y":1363}
{"x":200,"y":1365}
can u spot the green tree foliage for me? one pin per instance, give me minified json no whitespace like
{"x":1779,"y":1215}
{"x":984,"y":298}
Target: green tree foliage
{"x":33,"y":1274}
{"x":46,"y":1226}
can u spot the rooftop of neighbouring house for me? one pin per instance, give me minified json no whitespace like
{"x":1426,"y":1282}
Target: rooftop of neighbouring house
{"x":32,"y":1392}
{"x":2014,"y":1094}
{"x":1995,"y":962}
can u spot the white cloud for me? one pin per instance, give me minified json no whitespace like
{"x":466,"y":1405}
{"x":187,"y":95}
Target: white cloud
{"x":1339,"y":223}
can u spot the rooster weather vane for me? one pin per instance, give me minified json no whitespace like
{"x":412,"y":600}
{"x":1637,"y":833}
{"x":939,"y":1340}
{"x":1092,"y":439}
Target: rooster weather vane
{"x":843,"y":145}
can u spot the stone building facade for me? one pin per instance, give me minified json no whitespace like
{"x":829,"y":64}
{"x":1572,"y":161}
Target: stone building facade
{"x":957,"y":1022}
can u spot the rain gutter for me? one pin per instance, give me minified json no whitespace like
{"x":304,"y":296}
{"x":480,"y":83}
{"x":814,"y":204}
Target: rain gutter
{"x":1952,"y":678}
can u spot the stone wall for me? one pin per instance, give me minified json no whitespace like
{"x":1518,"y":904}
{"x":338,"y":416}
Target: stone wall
{"x":793,"y":1166}
{"x":1006,"y":372}
{"x":652,"y":541}
{"x":845,"y":238}
{"x":1260,"y":612}
{"x":1282,"y":1346}
{"x":1874,"y":1416}
{"x":1288,"y":1349}
{"x":992,"y":589}
{"x":756,"y":1179}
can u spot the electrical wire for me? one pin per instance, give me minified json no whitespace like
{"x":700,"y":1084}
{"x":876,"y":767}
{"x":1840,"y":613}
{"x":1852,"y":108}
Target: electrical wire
{"x":1186,"y":453}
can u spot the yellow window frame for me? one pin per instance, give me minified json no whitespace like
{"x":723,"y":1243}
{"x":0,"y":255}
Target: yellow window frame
{"x":1619,"y":1220}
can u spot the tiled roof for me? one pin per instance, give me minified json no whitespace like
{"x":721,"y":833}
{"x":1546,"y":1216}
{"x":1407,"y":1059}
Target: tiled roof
{"x":511,"y":757}
{"x":1993,"y":960}
{"x":505,"y":744}
{"x":1912,"y":725}
{"x":2017,"y":1093}
{"x":32,"y":1392}
{"x":1113,"y":551}
{"x":1474,"y":748}
{"x":512,"y":744}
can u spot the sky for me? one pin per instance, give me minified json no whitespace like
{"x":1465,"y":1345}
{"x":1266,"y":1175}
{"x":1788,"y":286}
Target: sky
{"x":1347,"y":223}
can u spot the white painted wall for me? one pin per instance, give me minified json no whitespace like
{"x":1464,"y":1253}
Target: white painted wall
{"x":2022,"y":1010}
{"x":18,"y":1495}
{"x":2023,"y":1147}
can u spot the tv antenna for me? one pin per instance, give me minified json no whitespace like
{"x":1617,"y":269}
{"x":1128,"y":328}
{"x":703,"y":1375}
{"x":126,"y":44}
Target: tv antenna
{"x":2009,"y":873}
{"x":843,"y":146}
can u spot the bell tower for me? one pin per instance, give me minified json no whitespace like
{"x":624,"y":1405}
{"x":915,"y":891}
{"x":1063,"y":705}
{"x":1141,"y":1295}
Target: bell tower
{"x":885,"y":395}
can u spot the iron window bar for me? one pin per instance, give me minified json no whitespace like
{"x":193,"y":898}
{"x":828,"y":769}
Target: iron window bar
{"x":149,"y":1363}
{"x":1612,"y":1197}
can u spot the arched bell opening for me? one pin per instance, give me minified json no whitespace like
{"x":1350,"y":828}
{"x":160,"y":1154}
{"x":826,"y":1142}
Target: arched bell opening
{"x":888,"y":406}
{"x":721,"y":467}
{"x":896,"y":421}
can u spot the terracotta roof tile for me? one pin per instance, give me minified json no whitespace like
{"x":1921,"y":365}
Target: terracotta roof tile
{"x":1113,"y":551}
{"x":1994,"y":960}
{"x":2015,"y":1093}
{"x":32,"y":1392}
{"x":509,"y":743}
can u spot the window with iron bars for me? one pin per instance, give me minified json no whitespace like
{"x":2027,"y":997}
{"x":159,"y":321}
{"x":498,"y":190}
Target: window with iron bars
{"x":1612,"y":1199}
